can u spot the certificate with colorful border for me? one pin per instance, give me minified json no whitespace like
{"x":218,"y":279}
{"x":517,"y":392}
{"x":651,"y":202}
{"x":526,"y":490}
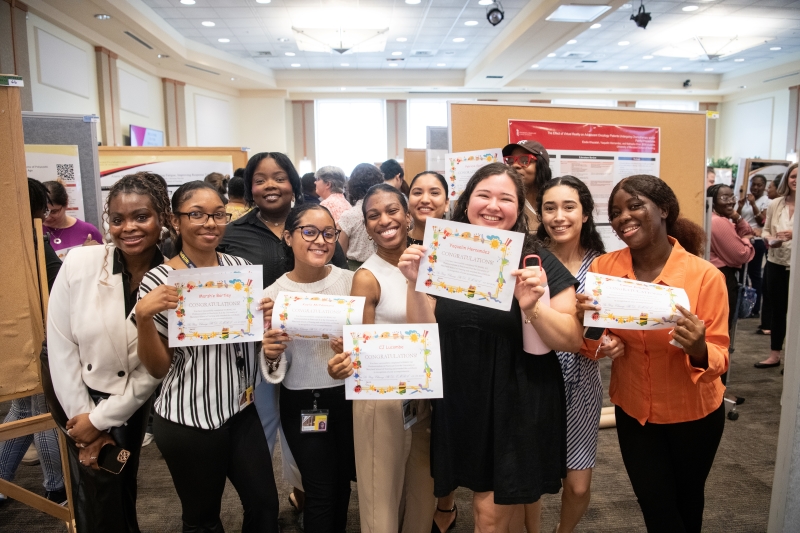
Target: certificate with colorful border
{"x":472,"y":264}
{"x":462,"y":165}
{"x":216,"y":305}
{"x":316,"y":316}
{"x":393,"y":362}
{"x":630,"y":304}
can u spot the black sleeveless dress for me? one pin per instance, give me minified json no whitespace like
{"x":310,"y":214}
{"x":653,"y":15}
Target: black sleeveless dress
{"x":501,"y":425}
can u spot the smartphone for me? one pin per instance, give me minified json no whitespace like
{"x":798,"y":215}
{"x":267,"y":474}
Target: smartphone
{"x":593,"y":334}
{"x":112,"y":458}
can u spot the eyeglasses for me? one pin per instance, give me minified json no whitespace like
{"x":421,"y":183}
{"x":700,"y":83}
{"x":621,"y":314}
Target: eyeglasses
{"x":310,"y":234}
{"x":523,"y":160}
{"x":725,"y":197}
{"x":198,"y":218}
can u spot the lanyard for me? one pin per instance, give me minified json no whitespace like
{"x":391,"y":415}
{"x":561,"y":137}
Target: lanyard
{"x":188,"y":262}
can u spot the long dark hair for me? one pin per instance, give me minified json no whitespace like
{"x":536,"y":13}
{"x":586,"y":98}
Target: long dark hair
{"x":283,"y":161}
{"x":493,"y":169}
{"x":364,"y":176}
{"x":292,"y":223}
{"x":686,"y":232}
{"x":590,"y":240}
{"x":183,"y":194}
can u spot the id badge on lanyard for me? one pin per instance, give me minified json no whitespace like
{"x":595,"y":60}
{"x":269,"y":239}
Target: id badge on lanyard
{"x":409,"y":413}
{"x":314,"y":420}
{"x":246,"y":392}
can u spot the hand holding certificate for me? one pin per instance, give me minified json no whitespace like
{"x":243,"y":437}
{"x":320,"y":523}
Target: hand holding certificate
{"x":470,"y":263}
{"x":393,"y":362}
{"x":316,"y":316}
{"x":216,"y":305}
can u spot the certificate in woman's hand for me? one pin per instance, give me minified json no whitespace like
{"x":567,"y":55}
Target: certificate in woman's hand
{"x":316,"y":316}
{"x":470,"y":263}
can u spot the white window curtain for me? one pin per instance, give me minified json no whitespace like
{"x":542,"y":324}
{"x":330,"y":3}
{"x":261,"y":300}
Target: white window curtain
{"x":421,"y":114}
{"x":588,"y":102}
{"x":672,"y":105}
{"x":349,"y":132}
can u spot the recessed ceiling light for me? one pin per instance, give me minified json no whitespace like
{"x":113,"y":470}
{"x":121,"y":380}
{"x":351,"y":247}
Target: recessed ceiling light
{"x":690,"y":8}
{"x":551,"y":54}
{"x":576,"y":13}
{"x":163,"y":56}
{"x":224,"y":40}
{"x":666,"y":68}
{"x":102,"y":16}
{"x":233,"y":79}
{"x":485,"y":2}
{"x":624,"y":43}
{"x":572,"y":41}
{"x":263,"y":1}
{"x":623,"y":67}
{"x":345,"y":64}
{"x":647,"y":57}
{"x":401,"y":39}
{"x":441,"y":64}
{"x":283,"y":40}
{"x":471,"y":23}
{"x":535,"y":66}
{"x":208,"y":24}
{"x":739,"y":60}
{"x":709,"y":69}
{"x":775,"y":48}
{"x":295,"y":64}
{"x":392,"y":64}
{"x":397,"y":53}
{"x":187,"y":2}
{"x":412,"y":2}
{"x":343,"y":88}
{"x":458,"y":40}
{"x":290,"y":54}
{"x":743,"y":86}
{"x":595,"y":26}
{"x":625,"y":6}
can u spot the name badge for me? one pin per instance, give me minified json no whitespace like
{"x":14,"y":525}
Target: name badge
{"x":409,"y":413}
{"x":314,"y":421}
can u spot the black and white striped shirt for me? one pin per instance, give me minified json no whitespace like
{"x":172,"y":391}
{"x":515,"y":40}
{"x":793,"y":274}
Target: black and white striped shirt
{"x":202,"y":387}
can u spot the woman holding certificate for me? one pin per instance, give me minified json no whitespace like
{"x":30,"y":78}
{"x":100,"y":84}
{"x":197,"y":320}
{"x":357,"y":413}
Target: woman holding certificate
{"x":395,"y":489}
{"x":204,"y":424}
{"x":500,"y":428}
{"x":666,"y":385}
{"x":325,"y":454}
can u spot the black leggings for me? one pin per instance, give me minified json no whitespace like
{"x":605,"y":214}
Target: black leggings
{"x":199,"y":460}
{"x":777,"y":289}
{"x":326,"y":460}
{"x":668,"y":465}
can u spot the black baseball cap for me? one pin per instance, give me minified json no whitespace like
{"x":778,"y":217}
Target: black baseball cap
{"x":534,"y":147}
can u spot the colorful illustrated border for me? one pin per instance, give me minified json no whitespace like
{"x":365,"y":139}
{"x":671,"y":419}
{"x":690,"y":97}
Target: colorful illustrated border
{"x":471,"y":291}
{"x":364,"y":385}
{"x":289,"y":299}
{"x":223,"y":333}
{"x":643,"y":319}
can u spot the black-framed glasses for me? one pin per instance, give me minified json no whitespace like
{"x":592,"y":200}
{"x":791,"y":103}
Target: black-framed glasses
{"x":198,"y":218}
{"x":523,"y":160}
{"x":310,"y":234}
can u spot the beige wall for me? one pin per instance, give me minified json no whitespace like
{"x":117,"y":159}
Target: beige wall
{"x":141,"y":108}
{"x":754,"y":126}
{"x":263,"y":123}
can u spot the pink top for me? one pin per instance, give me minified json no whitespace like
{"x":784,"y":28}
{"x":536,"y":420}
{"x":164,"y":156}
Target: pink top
{"x":336,"y":204}
{"x":730,"y":244}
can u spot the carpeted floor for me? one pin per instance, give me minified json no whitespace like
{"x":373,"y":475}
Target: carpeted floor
{"x":737,"y":493}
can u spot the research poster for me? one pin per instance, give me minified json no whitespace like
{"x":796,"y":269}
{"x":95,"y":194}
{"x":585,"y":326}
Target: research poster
{"x":599,"y":154}
{"x":58,"y":162}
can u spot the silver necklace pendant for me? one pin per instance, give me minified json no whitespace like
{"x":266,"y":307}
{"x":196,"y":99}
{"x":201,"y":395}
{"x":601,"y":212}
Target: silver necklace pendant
{"x":56,"y":241}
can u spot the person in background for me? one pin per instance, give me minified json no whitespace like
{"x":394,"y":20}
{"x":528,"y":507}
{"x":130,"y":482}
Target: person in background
{"x":330,"y":182}
{"x":668,"y":395}
{"x":205,"y":426}
{"x":395,"y":488}
{"x":238,"y":173}
{"x":532,"y":161}
{"x":567,"y":229}
{"x":220,"y":183}
{"x":326,"y":459}
{"x":753,"y":209}
{"x":94,"y":359}
{"x":427,"y":199}
{"x":309,"y":188}
{"x":766,"y":309}
{"x":45,"y":442}
{"x":777,"y":233}
{"x":237,"y":205}
{"x":66,"y":232}
{"x":711,"y":177}
{"x":357,"y":245}
{"x":392,"y":173}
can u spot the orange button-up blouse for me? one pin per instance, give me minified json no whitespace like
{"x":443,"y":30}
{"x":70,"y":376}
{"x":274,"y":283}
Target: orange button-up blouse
{"x":655,"y":381}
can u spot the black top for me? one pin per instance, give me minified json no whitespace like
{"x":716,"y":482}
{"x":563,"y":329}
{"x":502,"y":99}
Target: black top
{"x":52,"y":262}
{"x":131,"y":293}
{"x":501,"y":425}
{"x":307,"y":198}
{"x":411,"y":241}
{"x":249,"y":238}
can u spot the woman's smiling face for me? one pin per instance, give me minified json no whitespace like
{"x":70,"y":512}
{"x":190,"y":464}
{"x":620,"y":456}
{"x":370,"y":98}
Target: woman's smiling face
{"x":386,"y":220}
{"x":271,"y":188}
{"x":427,"y":199}
{"x":636,"y":219}
{"x":494,"y":203}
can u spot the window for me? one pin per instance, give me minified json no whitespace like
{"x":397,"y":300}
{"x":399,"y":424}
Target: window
{"x":588,"y":102}
{"x":673,"y":105}
{"x":349,"y":132}
{"x":421,"y":114}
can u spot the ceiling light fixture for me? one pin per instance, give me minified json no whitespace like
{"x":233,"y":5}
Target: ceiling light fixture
{"x":496,"y":14}
{"x":689,"y":9}
{"x":290,"y":54}
{"x":485,"y":2}
{"x":441,"y":64}
{"x":233,"y":79}
{"x":647,"y":57}
{"x":624,"y":43}
{"x":535,"y":66}
{"x":392,"y":64}
{"x":295,"y":65}
{"x":709,"y":69}
{"x":413,"y":2}
{"x":102,"y":16}
{"x":625,"y":6}
{"x":224,"y":40}
{"x":572,"y":41}
{"x":739,"y":60}
{"x":642,"y":18}
{"x":623,"y":67}
{"x":458,"y":40}
{"x":163,"y":56}
{"x":401,"y":39}
{"x":345,"y":64}
{"x":471,"y":23}
{"x":775,"y":48}
{"x":188,"y":2}
{"x":263,"y":1}
{"x":577,"y":13}
{"x":666,"y":68}
{"x":397,"y":53}
{"x":343,"y":88}
{"x":283,"y":40}
{"x":595,"y":26}
{"x":208,"y":24}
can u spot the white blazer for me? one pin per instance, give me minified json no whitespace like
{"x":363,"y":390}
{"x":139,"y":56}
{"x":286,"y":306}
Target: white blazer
{"x":91,"y":343}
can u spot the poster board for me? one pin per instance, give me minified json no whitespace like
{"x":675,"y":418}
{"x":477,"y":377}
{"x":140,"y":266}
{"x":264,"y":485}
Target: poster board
{"x":414,"y":162}
{"x":478,"y":125}
{"x":58,"y":162}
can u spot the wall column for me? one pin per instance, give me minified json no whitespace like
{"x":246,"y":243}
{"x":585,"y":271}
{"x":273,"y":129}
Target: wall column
{"x":304,"y":133}
{"x":396,"y":128}
{"x":108,"y":91}
{"x":174,"y":112}
{"x":793,"y":135}
{"x":711,"y":129}
{"x":14,"y":57}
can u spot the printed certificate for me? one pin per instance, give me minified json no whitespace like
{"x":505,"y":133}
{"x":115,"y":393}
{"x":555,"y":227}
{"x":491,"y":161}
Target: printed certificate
{"x":216,"y":305}
{"x":316,"y":316}
{"x":393,"y":362}
{"x":470,"y":263}
{"x":462,"y":165}
{"x":631,"y":304}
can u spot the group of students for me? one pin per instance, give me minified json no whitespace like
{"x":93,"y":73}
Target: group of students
{"x":512,"y":425}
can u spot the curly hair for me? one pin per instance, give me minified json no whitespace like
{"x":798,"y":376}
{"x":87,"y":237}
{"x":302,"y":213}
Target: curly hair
{"x":590,"y":239}
{"x":364,"y":176}
{"x":283,"y":161}
{"x":38,"y":195}
{"x":521,"y":225}
{"x":687,"y":233}
{"x":292,"y":223}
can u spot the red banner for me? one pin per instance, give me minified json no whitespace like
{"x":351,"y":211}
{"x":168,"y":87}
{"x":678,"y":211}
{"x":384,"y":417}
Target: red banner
{"x":585,"y":137}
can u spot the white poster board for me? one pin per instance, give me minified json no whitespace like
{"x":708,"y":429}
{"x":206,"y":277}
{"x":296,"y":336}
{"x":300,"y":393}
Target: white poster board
{"x":57,"y":162}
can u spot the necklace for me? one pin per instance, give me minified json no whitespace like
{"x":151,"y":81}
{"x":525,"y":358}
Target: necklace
{"x":56,"y":236}
{"x":267,"y":223}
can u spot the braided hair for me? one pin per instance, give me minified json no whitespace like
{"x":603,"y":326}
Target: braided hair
{"x":145,"y":183}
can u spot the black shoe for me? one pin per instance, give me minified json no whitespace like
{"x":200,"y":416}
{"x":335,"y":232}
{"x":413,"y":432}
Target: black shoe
{"x":435,"y":528}
{"x":767,"y":365}
{"x":57,"y":496}
{"x":739,"y":400}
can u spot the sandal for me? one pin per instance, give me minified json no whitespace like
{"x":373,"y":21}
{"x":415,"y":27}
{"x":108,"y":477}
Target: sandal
{"x":435,"y":528}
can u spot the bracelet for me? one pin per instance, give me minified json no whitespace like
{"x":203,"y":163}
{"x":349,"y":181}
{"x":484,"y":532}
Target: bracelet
{"x":272,"y":364}
{"x":535,"y":313}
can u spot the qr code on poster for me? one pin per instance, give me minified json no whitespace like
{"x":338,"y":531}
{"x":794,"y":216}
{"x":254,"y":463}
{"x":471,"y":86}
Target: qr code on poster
{"x":66,"y":172}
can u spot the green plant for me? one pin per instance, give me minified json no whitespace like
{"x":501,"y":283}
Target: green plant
{"x":721,"y":163}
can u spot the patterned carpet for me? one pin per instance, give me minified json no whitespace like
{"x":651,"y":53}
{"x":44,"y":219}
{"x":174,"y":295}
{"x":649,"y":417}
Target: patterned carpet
{"x":737,"y":493}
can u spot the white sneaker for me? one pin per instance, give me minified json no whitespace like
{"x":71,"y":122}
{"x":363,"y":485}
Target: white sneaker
{"x":31,"y":456}
{"x":148,"y":438}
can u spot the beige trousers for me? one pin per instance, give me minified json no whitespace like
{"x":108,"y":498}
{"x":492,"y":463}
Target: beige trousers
{"x":395,"y":487}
